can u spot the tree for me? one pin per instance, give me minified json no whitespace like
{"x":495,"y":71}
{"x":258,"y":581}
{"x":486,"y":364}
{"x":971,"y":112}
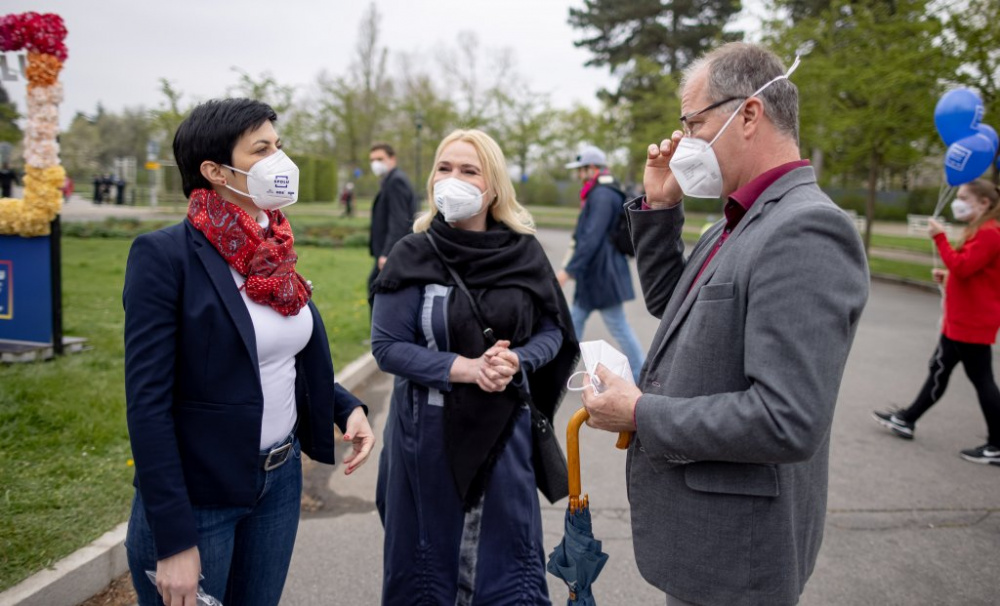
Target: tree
{"x":867,"y":91}
{"x":463,"y":67}
{"x":166,"y":119}
{"x":421,"y":108}
{"x":803,"y":9}
{"x":974,"y":40}
{"x":649,"y":43}
{"x":355,"y":106}
{"x":9,"y":131}
{"x":669,"y":32}
{"x":525,"y":129}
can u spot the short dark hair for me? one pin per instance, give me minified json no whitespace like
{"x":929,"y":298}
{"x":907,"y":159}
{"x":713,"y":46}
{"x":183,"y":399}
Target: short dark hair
{"x":384,"y":147}
{"x":210,"y":132}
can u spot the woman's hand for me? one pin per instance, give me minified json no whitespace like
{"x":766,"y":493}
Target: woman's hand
{"x":500,"y":368}
{"x":939,"y":275}
{"x":934,"y":228}
{"x":177,"y":578}
{"x":360,"y":434}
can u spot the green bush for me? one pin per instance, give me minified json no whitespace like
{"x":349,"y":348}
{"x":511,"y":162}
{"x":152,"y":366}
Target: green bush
{"x":307,"y":177}
{"x":325,"y":188}
{"x":541,"y":190}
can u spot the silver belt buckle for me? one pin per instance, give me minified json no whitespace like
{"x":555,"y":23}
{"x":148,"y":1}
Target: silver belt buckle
{"x":276,"y":453}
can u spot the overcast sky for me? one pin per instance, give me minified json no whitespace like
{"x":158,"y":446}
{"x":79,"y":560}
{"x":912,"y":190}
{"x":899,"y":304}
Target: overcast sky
{"x":119,"y":49}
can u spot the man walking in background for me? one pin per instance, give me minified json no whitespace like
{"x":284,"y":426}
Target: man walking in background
{"x":392,"y":211}
{"x":603,"y":280}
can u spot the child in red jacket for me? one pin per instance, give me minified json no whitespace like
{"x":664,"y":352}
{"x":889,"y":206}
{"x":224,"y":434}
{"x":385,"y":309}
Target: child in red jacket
{"x":971,"y":316}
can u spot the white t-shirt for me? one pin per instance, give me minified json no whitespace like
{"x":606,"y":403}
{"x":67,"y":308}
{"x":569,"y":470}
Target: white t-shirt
{"x":279,"y":339}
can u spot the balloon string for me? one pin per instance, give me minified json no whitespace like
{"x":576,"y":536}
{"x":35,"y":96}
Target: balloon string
{"x":945,"y":194}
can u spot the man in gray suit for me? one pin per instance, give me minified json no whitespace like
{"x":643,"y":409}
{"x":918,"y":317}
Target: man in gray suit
{"x":727,"y":469}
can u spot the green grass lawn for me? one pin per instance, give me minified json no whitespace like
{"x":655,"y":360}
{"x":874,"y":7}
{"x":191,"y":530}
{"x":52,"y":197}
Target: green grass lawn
{"x":65,"y":475}
{"x":913,"y":271}
{"x":921,"y":245}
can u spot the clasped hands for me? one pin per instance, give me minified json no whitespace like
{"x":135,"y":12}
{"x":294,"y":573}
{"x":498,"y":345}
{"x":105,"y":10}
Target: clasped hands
{"x":492,"y":371}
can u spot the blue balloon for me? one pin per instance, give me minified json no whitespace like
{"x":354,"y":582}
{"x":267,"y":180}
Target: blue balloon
{"x":957,"y":115}
{"x":968,"y":159}
{"x":990,"y":133}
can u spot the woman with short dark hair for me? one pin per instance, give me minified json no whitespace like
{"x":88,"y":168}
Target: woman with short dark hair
{"x":228,"y":373}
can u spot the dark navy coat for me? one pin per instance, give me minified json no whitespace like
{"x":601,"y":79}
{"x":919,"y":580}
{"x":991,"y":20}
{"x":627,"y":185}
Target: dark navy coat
{"x":192,"y":384}
{"x":601,"y":272}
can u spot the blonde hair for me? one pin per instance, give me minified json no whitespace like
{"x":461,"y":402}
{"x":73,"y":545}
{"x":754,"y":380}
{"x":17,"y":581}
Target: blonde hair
{"x":981,"y":188}
{"x":505,"y":207}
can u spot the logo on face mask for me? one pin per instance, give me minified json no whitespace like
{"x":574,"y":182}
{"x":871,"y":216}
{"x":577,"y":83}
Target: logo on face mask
{"x":281,"y":182}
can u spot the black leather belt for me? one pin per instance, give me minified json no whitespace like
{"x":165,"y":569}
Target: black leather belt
{"x":278,"y":455}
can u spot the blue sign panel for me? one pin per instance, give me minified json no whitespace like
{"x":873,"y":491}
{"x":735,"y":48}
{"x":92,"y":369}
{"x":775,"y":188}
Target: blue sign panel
{"x":25,"y":289}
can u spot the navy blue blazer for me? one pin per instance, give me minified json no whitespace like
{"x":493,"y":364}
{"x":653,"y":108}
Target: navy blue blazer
{"x":192,"y":384}
{"x":601,"y":272}
{"x":393,"y":210}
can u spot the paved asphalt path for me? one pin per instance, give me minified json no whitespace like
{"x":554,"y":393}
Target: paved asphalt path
{"x":909,"y":523}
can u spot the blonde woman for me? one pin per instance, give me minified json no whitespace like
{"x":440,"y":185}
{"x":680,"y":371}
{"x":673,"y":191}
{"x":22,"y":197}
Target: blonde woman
{"x":456,"y":487}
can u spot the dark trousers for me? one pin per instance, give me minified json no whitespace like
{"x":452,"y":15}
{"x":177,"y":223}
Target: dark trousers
{"x":977,"y":360}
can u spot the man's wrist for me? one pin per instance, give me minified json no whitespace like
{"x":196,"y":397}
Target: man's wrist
{"x":635,"y":410}
{"x":660,"y":204}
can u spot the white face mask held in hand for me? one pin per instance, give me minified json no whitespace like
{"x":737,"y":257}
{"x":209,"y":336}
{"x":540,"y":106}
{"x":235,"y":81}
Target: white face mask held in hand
{"x":272,"y":183}
{"x":600,"y":352}
{"x":694,"y":163}
{"x":457,"y":200}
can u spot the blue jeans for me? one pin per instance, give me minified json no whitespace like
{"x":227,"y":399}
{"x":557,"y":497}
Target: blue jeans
{"x":245,"y":551}
{"x":614,"y":319}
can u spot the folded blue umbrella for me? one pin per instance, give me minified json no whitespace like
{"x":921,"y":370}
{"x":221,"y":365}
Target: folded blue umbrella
{"x":578,"y":558}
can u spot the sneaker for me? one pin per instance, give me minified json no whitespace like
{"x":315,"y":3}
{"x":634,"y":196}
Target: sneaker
{"x":891,"y":421}
{"x":987,"y":454}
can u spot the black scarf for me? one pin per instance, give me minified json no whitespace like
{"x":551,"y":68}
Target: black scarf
{"x":513,"y":283}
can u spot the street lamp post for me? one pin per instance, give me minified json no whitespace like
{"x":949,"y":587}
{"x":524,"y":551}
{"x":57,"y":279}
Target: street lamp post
{"x":418,"y":119}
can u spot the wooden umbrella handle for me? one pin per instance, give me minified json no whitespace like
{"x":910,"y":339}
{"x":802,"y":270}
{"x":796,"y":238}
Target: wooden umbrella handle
{"x":573,"y":456}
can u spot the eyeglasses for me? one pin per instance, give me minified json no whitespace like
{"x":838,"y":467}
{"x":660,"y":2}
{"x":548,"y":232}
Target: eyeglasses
{"x":687,"y":127}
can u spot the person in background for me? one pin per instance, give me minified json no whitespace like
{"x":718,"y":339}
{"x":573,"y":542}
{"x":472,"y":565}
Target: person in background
{"x":8,"y":177}
{"x":347,"y":199}
{"x":456,"y":487}
{"x":119,"y":190}
{"x":971,"y":317}
{"x":393,"y":209}
{"x":601,"y":271}
{"x":67,"y":188}
{"x":228,"y":374}
{"x":98,"y":189}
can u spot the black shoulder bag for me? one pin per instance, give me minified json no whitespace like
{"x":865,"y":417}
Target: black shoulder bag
{"x":551,"y":473}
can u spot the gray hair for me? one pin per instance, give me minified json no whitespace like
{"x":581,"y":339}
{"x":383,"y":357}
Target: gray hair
{"x":738,"y":69}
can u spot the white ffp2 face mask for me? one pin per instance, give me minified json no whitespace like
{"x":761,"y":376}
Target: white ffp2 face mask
{"x":457,"y":200}
{"x":962,"y":210}
{"x":272,"y":183}
{"x":694,"y":163}
{"x":601,"y":352}
{"x":379,"y":168}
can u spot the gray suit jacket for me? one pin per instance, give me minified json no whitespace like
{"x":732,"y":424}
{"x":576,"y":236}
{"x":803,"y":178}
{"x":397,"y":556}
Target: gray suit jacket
{"x":727,"y":478}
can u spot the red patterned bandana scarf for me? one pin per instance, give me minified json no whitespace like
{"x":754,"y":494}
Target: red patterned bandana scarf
{"x":265,"y":258}
{"x":589,"y":185}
